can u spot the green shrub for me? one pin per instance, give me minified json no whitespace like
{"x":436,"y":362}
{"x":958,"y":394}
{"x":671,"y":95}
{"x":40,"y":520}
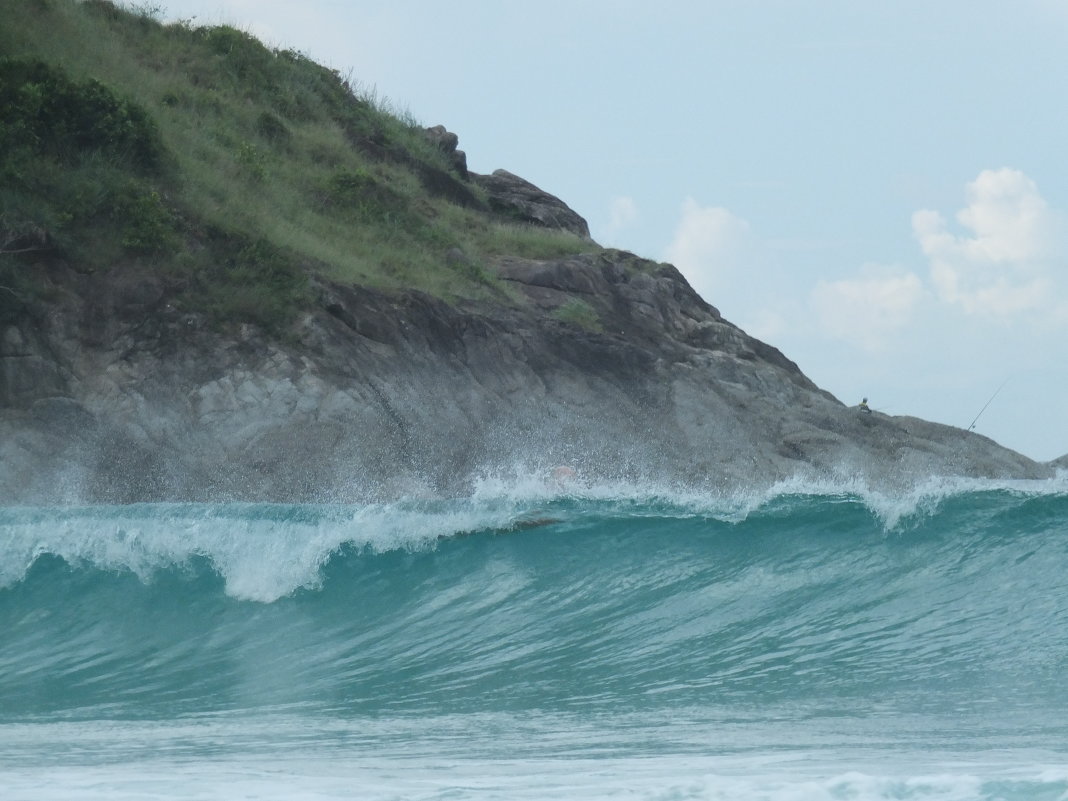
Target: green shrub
{"x":359,"y":195}
{"x":314,"y":86}
{"x":91,"y":212}
{"x":104,"y":8}
{"x":147,"y":225}
{"x":248,"y":280}
{"x":49,"y":114}
{"x":147,"y":11}
{"x":466,"y":267}
{"x":272,"y":129}
{"x":579,"y":313}
{"x":531,"y":241}
{"x":253,"y":163}
{"x":245,"y":56}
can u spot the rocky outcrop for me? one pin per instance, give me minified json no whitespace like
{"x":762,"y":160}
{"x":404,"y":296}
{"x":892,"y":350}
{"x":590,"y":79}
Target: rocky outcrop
{"x":610,"y":363}
{"x":448,"y":142}
{"x":518,"y":199}
{"x":509,"y":196}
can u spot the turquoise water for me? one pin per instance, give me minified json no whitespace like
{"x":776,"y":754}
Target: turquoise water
{"x":604,"y":642}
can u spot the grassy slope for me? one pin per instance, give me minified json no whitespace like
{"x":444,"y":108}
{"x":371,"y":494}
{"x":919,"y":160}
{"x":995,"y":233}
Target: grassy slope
{"x":237,"y":169}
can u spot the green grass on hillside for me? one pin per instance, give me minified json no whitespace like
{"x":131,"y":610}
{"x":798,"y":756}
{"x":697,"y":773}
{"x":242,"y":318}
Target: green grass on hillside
{"x":201,"y":152}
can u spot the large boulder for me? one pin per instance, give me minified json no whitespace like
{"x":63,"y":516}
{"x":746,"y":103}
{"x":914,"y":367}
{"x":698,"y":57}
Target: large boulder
{"x":513,"y":196}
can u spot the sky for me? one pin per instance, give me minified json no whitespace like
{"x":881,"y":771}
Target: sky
{"x":878,"y":188}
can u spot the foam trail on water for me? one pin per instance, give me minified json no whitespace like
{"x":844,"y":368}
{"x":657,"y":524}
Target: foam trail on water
{"x":287,"y":778}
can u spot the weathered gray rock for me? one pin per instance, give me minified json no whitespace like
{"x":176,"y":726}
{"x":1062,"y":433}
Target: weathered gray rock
{"x":521,"y":200}
{"x":112,"y":394}
{"x":1060,"y":463}
{"x":448,"y":142}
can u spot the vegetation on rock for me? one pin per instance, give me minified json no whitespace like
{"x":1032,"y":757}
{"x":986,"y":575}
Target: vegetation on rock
{"x":232,"y":169}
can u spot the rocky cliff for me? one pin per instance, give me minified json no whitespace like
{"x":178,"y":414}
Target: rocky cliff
{"x":604,"y":361}
{"x":225,"y":273}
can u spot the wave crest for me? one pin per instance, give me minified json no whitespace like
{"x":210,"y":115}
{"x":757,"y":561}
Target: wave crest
{"x":267,"y":551}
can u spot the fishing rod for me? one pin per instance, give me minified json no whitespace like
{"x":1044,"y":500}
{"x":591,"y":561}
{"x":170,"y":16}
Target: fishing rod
{"x":996,"y":391}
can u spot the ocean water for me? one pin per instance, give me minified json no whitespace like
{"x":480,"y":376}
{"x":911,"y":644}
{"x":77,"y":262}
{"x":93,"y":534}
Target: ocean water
{"x":540,"y":642}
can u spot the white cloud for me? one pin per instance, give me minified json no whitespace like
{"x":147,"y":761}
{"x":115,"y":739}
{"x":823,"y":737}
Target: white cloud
{"x":1004,"y":262}
{"x":623,"y":213}
{"x":867,"y":310}
{"x":709,"y":247}
{"x":768,"y":325}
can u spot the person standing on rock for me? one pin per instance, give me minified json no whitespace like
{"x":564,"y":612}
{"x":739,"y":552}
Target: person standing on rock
{"x":864,"y":406}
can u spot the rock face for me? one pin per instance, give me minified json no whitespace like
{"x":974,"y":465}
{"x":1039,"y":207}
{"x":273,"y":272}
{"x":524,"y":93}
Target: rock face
{"x":614,"y":366}
{"x":512,"y":196}
{"x":448,"y":142}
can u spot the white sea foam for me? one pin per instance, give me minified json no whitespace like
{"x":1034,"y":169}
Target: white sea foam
{"x":891,"y":506}
{"x":265,"y":552}
{"x":431,"y":779}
